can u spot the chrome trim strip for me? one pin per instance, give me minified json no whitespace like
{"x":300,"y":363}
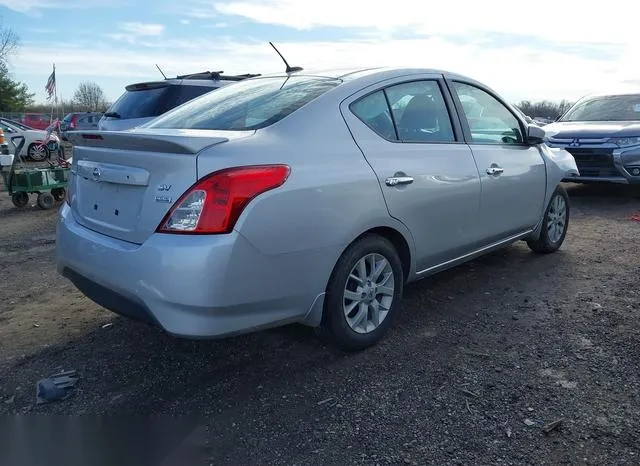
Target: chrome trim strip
{"x":510,"y":239}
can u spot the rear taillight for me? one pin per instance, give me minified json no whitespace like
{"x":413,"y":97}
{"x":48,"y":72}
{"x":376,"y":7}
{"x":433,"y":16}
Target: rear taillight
{"x":214,"y":203}
{"x":2,"y":141}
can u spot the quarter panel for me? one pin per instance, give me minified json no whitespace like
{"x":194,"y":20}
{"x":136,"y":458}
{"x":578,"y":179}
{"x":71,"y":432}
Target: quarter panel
{"x":330,"y":198}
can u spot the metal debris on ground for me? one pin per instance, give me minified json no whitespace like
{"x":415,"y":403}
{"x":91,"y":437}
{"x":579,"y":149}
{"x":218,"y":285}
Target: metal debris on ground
{"x":530,"y":422}
{"x":55,"y":387}
{"x":320,"y":403}
{"x":468,"y":392}
{"x":107,"y":325}
{"x":552,"y":426}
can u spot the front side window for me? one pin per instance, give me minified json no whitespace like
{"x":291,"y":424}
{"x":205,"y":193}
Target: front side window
{"x":608,"y":108}
{"x":246,"y":105}
{"x":489,"y":120}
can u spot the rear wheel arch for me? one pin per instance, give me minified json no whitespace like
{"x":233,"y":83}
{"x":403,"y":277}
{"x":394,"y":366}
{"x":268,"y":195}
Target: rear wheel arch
{"x":381,"y":289}
{"x":399,"y":243}
{"x":397,"y":239}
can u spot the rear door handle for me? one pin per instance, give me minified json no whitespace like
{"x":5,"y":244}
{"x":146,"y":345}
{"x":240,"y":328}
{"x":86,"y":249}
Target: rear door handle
{"x":494,"y":170}
{"x":396,"y":180}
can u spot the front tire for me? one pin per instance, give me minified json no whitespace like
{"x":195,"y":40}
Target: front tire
{"x":554,"y":223}
{"x":363,"y":294}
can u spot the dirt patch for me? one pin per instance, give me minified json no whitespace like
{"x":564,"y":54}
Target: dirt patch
{"x":481,"y":358}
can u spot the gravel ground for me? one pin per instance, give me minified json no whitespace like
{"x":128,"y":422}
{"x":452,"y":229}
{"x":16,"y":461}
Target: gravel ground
{"x":481,"y":358}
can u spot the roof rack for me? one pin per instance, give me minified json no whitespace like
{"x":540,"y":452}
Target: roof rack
{"x":216,"y":75}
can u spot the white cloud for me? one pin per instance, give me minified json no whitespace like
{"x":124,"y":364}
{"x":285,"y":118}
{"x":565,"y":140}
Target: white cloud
{"x":185,"y":21}
{"x":565,"y":20}
{"x":134,"y":30}
{"x":516,"y":71}
{"x":142,"y":29}
{"x":34,"y":7}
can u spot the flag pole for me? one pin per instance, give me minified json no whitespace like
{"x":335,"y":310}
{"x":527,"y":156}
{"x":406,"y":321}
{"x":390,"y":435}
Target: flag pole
{"x":55,"y":95}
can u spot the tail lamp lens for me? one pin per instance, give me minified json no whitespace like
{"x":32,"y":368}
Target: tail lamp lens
{"x":214,"y":203}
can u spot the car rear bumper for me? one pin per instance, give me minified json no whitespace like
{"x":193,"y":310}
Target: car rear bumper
{"x":190,"y":286}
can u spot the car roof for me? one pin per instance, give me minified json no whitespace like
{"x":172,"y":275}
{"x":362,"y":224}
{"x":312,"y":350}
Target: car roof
{"x":613,"y":93}
{"x":375,"y":73}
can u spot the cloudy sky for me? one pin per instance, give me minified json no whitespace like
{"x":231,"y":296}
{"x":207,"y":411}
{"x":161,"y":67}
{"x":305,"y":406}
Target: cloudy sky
{"x":525,"y":50}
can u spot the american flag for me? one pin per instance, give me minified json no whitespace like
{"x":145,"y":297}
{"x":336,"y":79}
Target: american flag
{"x":51,"y":83}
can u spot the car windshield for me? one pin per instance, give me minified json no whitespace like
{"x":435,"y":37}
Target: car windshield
{"x":246,"y":105}
{"x":609,"y":108}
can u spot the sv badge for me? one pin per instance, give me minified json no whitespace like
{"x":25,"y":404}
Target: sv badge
{"x":164,"y":187}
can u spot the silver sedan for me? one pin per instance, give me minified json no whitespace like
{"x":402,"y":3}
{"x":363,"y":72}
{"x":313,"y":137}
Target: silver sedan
{"x":305,"y":197}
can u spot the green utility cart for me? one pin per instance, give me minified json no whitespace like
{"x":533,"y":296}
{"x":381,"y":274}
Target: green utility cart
{"x":48,"y":183}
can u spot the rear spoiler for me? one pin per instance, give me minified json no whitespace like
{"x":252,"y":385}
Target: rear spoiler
{"x":169,"y":141}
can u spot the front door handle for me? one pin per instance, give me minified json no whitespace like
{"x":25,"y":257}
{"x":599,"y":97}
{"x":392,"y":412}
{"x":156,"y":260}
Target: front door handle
{"x":396,"y":180}
{"x":494,"y":170}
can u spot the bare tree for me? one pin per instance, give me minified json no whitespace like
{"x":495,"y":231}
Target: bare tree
{"x":9,"y":42}
{"x":90,"y":97}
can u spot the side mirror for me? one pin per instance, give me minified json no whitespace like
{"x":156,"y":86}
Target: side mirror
{"x":535,"y":135}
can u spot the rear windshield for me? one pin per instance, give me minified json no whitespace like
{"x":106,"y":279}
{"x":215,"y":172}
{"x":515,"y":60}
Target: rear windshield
{"x":246,"y":105}
{"x":154,"y":101}
{"x":610,"y":108}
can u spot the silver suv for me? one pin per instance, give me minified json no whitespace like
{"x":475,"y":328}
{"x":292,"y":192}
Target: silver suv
{"x":142,"y":102}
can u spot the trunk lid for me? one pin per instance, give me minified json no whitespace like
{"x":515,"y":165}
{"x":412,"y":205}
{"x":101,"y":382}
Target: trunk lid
{"x":123,"y":183}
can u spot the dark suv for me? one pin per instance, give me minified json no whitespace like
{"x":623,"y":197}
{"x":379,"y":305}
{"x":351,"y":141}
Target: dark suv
{"x":142,"y":102}
{"x":602,"y":132}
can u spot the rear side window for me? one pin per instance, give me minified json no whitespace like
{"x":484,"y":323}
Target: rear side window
{"x":417,"y":109}
{"x":374,"y":112}
{"x":246,"y":105}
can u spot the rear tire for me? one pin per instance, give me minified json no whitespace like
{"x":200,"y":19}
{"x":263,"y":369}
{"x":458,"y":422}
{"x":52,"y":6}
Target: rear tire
{"x":554,"y":223}
{"x":20,"y":199}
{"x":363,"y":294}
{"x":45,"y":201}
